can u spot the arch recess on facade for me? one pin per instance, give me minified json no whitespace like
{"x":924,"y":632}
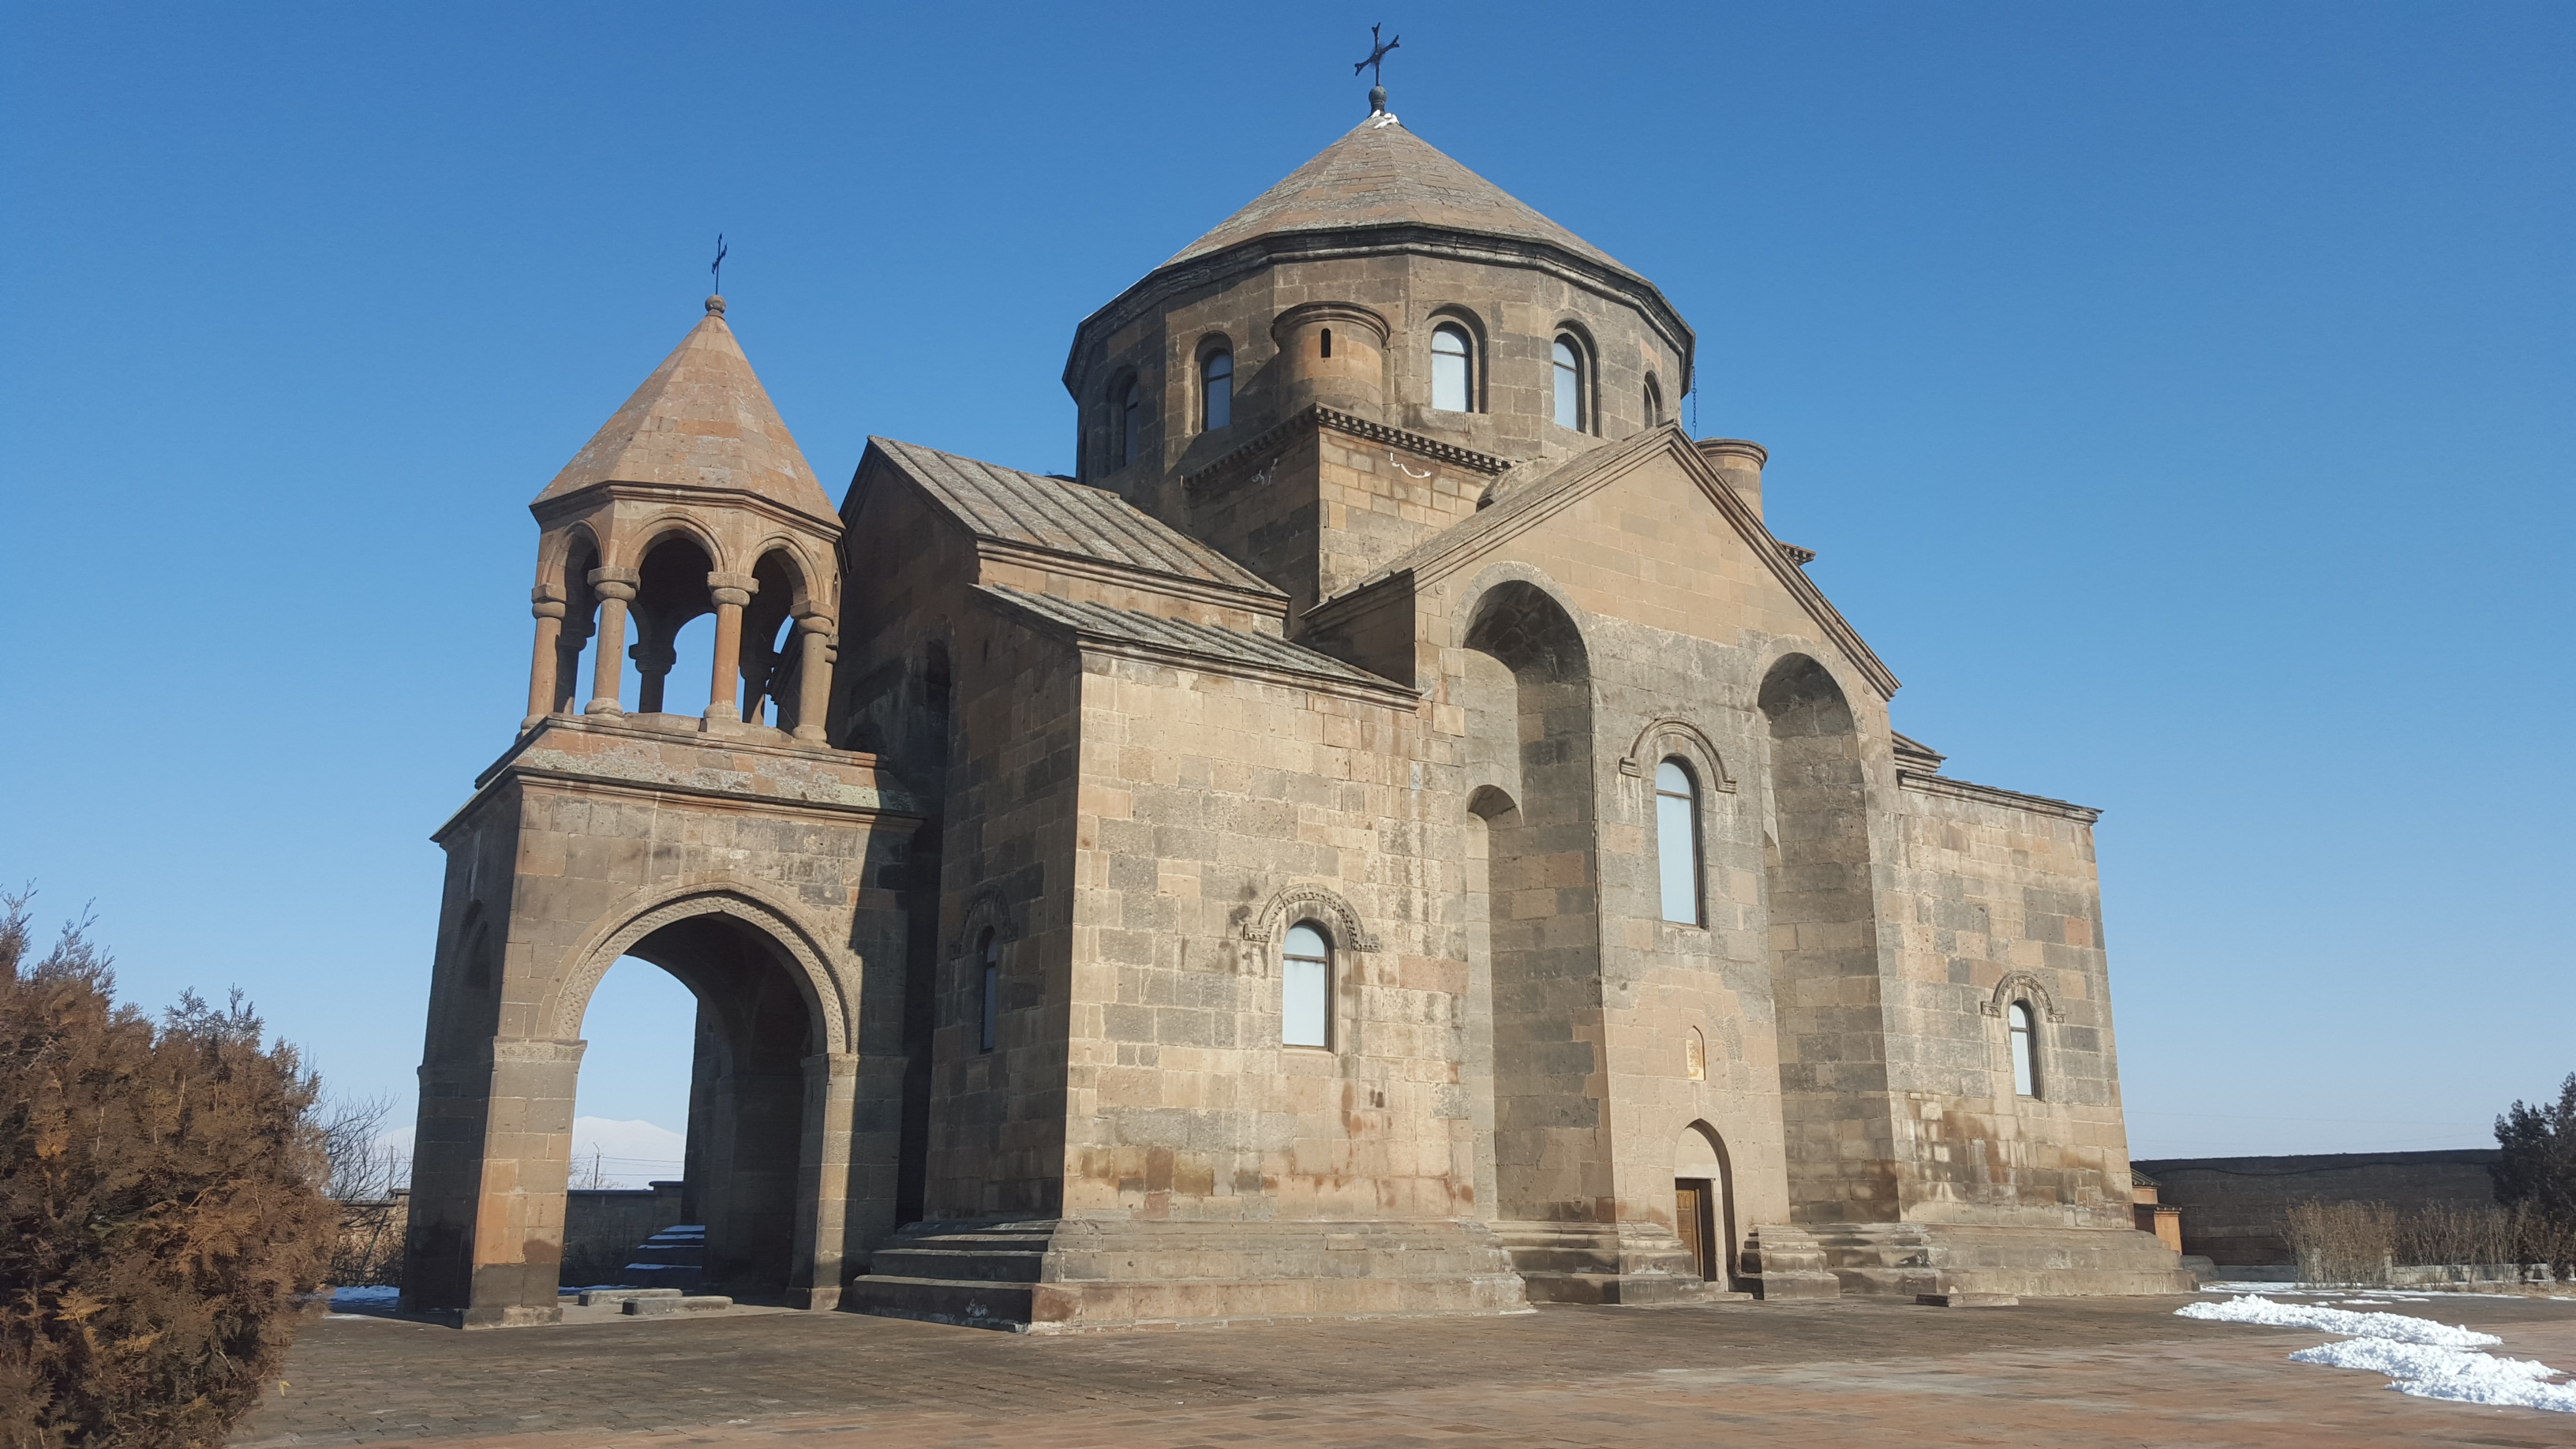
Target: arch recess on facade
{"x":1672,"y":735}
{"x":669,"y":906}
{"x":1291,"y":904}
{"x":2022,"y":986}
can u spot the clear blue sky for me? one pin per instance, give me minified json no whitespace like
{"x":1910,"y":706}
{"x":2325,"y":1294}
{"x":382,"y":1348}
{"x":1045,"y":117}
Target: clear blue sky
{"x":2179,"y":397}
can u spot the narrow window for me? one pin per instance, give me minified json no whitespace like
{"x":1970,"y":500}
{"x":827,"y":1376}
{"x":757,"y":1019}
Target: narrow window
{"x":1306,"y":989}
{"x":1328,"y":342}
{"x":990,"y":953}
{"x":1569,"y":385}
{"x":1677,"y":840}
{"x":1216,"y":386}
{"x":1131,"y":423}
{"x":1451,"y":382}
{"x":2025,"y":1052}
{"x":1654,"y":411}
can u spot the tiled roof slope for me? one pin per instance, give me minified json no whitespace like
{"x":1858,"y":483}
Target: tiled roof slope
{"x":1062,"y":516}
{"x":1380,"y":174}
{"x":701,"y":420}
{"x":1212,"y":642}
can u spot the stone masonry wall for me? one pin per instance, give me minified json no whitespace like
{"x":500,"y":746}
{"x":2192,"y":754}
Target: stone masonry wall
{"x":1995,"y":895}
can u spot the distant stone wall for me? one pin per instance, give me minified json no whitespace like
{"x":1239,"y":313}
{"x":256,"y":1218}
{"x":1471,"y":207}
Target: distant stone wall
{"x":603,"y":1226}
{"x":2232,"y":1207}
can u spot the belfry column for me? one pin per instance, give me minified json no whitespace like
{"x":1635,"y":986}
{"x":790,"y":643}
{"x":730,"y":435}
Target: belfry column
{"x":731,"y":591}
{"x":616,"y":589}
{"x":547,"y":601}
{"x":814,"y":676}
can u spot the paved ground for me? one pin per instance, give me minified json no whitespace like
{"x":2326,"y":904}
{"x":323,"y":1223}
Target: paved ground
{"x":2101,"y":1372}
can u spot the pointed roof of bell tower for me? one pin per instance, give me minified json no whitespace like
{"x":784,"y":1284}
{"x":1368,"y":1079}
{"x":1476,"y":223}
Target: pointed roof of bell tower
{"x":1380,"y":174}
{"x":702,"y":420}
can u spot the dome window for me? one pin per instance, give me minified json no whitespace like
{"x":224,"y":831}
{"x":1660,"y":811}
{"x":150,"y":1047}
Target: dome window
{"x":1216,"y":391}
{"x":1569,"y":384}
{"x":1452,"y":370}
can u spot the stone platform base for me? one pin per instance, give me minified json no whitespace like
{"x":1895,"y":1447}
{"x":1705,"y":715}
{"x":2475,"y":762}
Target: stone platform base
{"x":1910,"y":1260}
{"x":1631,"y":1263}
{"x":1070,"y":1275}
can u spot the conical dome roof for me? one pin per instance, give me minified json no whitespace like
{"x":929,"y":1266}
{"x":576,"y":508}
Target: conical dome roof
{"x":1380,"y":174}
{"x":702,"y":420}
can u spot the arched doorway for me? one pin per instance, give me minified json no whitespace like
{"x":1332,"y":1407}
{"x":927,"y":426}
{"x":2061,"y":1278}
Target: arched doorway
{"x":757,"y":1034}
{"x":1703,"y":1202}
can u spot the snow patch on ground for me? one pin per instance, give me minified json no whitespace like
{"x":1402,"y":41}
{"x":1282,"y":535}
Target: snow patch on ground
{"x":2399,"y":1327}
{"x":2430,"y":1372}
{"x":2426,"y":1359}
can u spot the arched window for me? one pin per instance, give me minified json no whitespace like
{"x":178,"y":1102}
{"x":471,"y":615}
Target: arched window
{"x":1453,"y":382}
{"x":1569,"y":383}
{"x":1654,"y":413}
{"x":1131,"y":423}
{"x":1677,"y":840}
{"x":989,"y":951}
{"x":1328,"y":341}
{"x":1306,"y":988}
{"x":1216,"y":391}
{"x":2025,"y":1050}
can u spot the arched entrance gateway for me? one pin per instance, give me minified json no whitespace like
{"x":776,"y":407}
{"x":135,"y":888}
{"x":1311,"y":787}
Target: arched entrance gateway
{"x":753,"y":1175}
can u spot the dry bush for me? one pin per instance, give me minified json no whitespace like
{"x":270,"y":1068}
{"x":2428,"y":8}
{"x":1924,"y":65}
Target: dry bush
{"x":160,"y":1207}
{"x":2479,"y":1234}
{"x":2343,"y":1242}
{"x":369,"y":1249}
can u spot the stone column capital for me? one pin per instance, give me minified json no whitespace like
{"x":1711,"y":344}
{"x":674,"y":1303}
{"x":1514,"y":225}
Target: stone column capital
{"x":722,"y":580}
{"x":729,"y":596}
{"x":618,"y":584}
{"x":815,"y":621}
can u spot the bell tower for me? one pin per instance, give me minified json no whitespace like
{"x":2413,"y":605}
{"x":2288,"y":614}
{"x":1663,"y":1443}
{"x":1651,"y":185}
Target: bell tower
{"x":693,"y":499}
{"x":733,"y":848}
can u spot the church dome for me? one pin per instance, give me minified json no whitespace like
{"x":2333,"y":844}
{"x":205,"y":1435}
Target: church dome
{"x":1381,"y":175}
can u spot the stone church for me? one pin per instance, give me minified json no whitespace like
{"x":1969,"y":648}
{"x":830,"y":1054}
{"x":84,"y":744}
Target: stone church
{"x":1394,"y":833}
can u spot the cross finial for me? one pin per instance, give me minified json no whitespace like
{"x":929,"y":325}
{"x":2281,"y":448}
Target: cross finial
{"x":718,"y":268}
{"x":1377,"y":59}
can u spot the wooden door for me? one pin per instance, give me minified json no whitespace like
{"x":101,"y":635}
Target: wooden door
{"x":1691,"y":1219}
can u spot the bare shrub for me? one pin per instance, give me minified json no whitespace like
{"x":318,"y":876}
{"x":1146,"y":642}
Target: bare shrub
{"x":2343,"y":1242}
{"x":361,"y":1167}
{"x":370,"y":1246}
{"x":160,"y":1207}
{"x":2480,"y":1233}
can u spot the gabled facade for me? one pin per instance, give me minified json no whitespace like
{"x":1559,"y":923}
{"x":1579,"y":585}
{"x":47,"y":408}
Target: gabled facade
{"x":1395,"y":834}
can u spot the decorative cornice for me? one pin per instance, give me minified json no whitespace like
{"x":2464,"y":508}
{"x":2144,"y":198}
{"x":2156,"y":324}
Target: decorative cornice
{"x":1993,"y":795}
{"x":551,"y":511}
{"x":1799,"y":556}
{"x":1233,"y":466}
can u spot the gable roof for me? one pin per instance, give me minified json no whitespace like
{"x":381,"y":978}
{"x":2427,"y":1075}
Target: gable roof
{"x":701,"y":420}
{"x":1380,"y":174}
{"x":1231,"y":651}
{"x":1058,"y":516}
{"x":1523,"y":501}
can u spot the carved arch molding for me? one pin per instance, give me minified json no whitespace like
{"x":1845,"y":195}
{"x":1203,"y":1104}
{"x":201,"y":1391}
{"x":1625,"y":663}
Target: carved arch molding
{"x":824,"y":989}
{"x":988,"y":906}
{"x":1295,"y":903}
{"x":2021,"y":986}
{"x":1670,"y":735}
